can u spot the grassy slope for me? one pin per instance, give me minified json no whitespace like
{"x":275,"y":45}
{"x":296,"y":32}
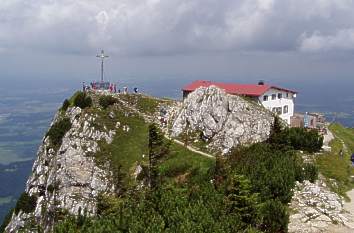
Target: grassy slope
{"x":346,"y":134}
{"x":332,"y":166}
{"x":127,"y":148}
{"x":182,"y":163}
{"x":145,"y":104}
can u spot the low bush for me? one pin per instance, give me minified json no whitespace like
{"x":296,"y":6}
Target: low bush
{"x":240,"y":199}
{"x":6,"y":220}
{"x":176,"y":169}
{"x":26,"y":203}
{"x":106,"y":101}
{"x":166,"y":210}
{"x":65,"y":105}
{"x":270,"y":168}
{"x":310,"y":172}
{"x":52,"y":187}
{"x":58,"y":130}
{"x":275,"y":216}
{"x":82,"y":100}
{"x":298,"y":138}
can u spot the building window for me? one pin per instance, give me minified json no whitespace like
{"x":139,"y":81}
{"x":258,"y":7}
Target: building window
{"x":274,"y":96}
{"x":286,"y":109}
{"x":287,"y":95}
{"x":280,"y":95}
{"x":277,"y":110}
{"x":265,"y":98}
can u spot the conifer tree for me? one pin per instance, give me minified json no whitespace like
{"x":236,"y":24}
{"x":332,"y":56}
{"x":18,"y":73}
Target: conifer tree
{"x":157,"y":150}
{"x":119,"y":177}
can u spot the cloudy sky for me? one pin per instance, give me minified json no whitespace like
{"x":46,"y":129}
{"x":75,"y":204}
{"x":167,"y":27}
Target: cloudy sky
{"x":242,"y":40}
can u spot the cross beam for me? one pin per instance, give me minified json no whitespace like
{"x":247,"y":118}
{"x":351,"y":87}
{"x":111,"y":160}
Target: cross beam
{"x":102,"y":56}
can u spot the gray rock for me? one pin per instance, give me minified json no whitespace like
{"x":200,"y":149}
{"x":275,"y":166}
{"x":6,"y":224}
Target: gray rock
{"x":111,"y":115}
{"x":226,"y":120}
{"x":315,"y":208}
{"x":67,"y":179}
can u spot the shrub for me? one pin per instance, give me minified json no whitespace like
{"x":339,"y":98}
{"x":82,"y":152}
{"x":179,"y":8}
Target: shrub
{"x":52,"y":187}
{"x":26,"y":203}
{"x":81,"y":100}
{"x":299,"y":139}
{"x":271,"y":169}
{"x":106,"y":101}
{"x":275,"y":217}
{"x":65,"y":105}
{"x":176,"y":169}
{"x":6,"y":221}
{"x":240,"y":199}
{"x":58,"y":130}
{"x":310,"y":172}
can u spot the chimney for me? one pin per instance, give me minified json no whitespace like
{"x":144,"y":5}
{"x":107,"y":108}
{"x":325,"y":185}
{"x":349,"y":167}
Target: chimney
{"x":261,"y":82}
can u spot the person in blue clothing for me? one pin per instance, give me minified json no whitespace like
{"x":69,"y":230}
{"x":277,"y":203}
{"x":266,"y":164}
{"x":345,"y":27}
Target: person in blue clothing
{"x":352,"y":159}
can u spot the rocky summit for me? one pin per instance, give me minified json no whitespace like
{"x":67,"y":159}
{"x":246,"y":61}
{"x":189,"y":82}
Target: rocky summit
{"x":224,"y":120}
{"x":96,"y":151}
{"x":67,"y":177}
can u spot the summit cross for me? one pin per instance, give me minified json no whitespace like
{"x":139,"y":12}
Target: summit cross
{"x":102,"y":56}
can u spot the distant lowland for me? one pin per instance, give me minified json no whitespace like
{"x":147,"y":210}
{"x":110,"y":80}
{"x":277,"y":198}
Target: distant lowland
{"x":27,"y":110}
{"x":25,"y":115}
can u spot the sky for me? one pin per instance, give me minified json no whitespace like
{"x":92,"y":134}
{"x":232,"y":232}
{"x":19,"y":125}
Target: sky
{"x":239,"y":40}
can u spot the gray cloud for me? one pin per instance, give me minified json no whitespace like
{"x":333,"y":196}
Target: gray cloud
{"x":233,"y":40}
{"x":157,"y":27}
{"x":341,"y":40}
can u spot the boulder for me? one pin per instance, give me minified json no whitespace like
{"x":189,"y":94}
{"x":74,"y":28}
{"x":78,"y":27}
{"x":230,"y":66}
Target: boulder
{"x":226,"y":121}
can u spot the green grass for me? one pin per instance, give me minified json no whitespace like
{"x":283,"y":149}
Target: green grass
{"x":182,"y":161}
{"x":144,"y":104}
{"x":71,"y":100}
{"x":128,"y":148}
{"x":347,"y":135}
{"x":332,"y":166}
{"x":103,"y":120}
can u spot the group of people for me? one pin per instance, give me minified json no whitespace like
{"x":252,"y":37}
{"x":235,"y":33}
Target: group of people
{"x":112,"y":87}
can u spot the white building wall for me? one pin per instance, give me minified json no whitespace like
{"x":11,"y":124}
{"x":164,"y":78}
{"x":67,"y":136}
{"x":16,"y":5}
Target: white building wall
{"x":279,"y":102}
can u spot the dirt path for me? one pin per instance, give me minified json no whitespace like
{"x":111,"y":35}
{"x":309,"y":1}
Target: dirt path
{"x":192,"y":148}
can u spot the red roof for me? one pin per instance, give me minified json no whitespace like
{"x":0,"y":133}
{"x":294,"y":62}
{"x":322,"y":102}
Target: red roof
{"x":233,"y":88}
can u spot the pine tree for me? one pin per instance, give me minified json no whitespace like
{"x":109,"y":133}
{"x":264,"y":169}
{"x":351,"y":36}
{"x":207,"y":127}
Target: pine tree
{"x":276,"y":130}
{"x":119,"y":177}
{"x":241,"y":200}
{"x":157,"y":150}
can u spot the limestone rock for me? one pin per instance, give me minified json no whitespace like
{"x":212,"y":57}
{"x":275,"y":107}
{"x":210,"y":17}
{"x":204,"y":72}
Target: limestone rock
{"x":67,"y":179}
{"x":225,"y":120}
{"x":315,"y":208}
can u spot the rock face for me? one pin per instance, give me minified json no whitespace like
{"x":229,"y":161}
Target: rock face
{"x":315,"y":209}
{"x":224,"y":120}
{"x":66,"y":179}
